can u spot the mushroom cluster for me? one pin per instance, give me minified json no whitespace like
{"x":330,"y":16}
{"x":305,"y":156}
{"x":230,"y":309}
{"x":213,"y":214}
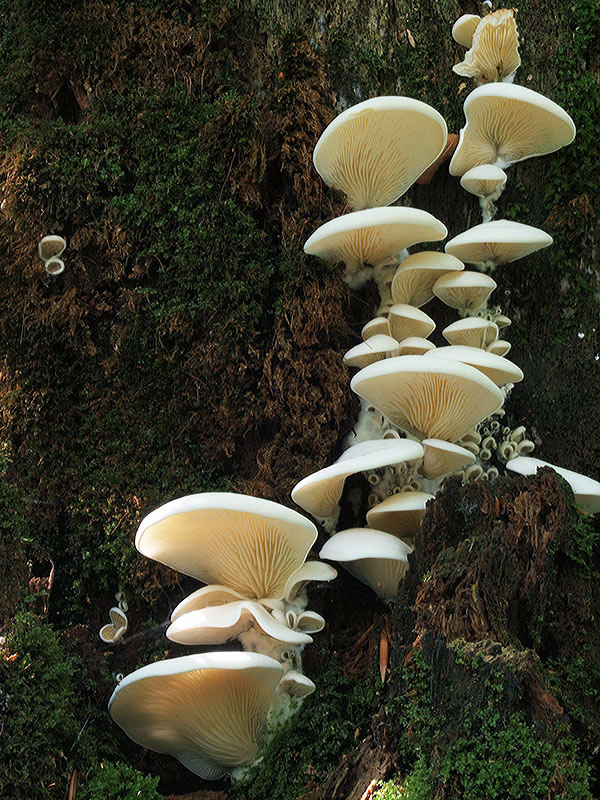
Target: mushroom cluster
{"x":210,"y":710}
{"x":505,"y":123}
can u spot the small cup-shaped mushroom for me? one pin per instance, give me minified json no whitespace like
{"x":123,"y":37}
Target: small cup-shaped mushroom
{"x":464,"y":29}
{"x":220,"y":624}
{"x":442,"y":458}
{"x":296,"y":685}
{"x":472,"y":332}
{"x":248,"y":544}
{"x":499,"y":348}
{"x":586,"y":490}
{"x":501,"y":320}
{"x":428,"y":397}
{"x":494,"y":51}
{"x":507,"y":123}
{"x":498,"y":369}
{"x":320,"y":492}
{"x":413,"y":281}
{"x":373,"y":237}
{"x":414,"y":346}
{"x":374,"y":557}
{"x":379,"y":326}
{"x":400,"y":514}
{"x":407,"y":321}
{"x":54,"y":266}
{"x":51,"y":247}
{"x":374,"y":349}
{"x":485,"y":181}
{"x":116,"y":629}
{"x":500,"y":242}
{"x":464,"y":290}
{"x":374,"y":151}
{"x":207,"y":710}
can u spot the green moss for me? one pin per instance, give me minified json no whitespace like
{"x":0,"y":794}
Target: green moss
{"x":311,"y":743}
{"x":119,"y":782}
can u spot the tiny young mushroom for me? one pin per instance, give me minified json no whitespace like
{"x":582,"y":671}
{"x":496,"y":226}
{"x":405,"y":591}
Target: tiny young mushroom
{"x":208,"y":710}
{"x":464,"y":29}
{"x":376,"y":558}
{"x":487,"y":183}
{"x":51,"y":247}
{"x":508,"y":123}
{"x":494,"y":49}
{"x":116,"y":628}
{"x":413,"y":281}
{"x":428,"y":397}
{"x":491,"y":244}
{"x":320,"y":492}
{"x":374,"y":151}
{"x":407,"y":321}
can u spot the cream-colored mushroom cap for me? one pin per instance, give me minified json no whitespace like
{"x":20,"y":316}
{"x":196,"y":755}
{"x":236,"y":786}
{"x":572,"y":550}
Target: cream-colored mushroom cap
{"x":248,"y":544}
{"x":375,"y":327}
{"x":494,"y":50}
{"x":414,"y":346}
{"x":507,"y":123}
{"x":428,"y":397}
{"x":374,"y":349}
{"x":400,"y":514}
{"x":413,"y":281}
{"x":320,"y":492}
{"x":375,"y":150}
{"x":484,"y":181}
{"x":472,"y":332}
{"x":442,"y":458}
{"x":499,"y":347}
{"x":207,"y":710}
{"x":374,"y":557}
{"x":406,"y":321}
{"x":220,"y":624}
{"x":373,"y":237}
{"x":586,"y":490}
{"x":212,"y":595}
{"x":51,"y":247}
{"x":498,"y":369}
{"x":117,"y":627}
{"x":54,"y":266}
{"x":497,"y":242}
{"x":464,"y":28}
{"x":464,"y":289}
{"x":296,"y":685}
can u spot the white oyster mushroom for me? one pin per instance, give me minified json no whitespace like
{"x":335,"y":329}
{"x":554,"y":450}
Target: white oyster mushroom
{"x":116,"y":629}
{"x":443,"y":458}
{"x":464,"y":29}
{"x":374,"y":349}
{"x":413,"y":281}
{"x":207,"y":710}
{"x":586,"y":490}
{"x":499,"y":242}
{"x":464,"y":290}
{"x":496,"y":368}
{"x":494,"y":49}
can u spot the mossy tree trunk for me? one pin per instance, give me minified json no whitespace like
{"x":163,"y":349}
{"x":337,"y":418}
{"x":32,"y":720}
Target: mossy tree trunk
{"x":189,"y":345}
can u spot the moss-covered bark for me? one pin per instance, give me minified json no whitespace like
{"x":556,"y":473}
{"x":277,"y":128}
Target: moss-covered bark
{"x":189,"y":345}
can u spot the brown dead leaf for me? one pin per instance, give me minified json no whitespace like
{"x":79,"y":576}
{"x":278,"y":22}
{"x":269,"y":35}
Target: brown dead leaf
{"x":411,"y":40}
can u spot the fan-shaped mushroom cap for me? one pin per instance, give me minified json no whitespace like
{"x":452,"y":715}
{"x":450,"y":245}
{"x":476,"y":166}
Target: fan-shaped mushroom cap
{"x":374,"y":349}
{"x":51,"y":247}
{"x":414,"y":346}
{"x":375,"y":150}
{"x":379,"y":326}
{"x":212,"y":595}
{"x":484,"y":181}
{"x":219,"y":624}
{"x":464,"y":28}
{"x":471,"y":331}
{"x":494,"y":50}
{"x":207,"y":710}
{"x":464,"y":289}
{"x":507,"y":123}
{"x":373,"y":237}
{"x":498,"y":242}
{"x":400,"y":514}
{"x":442,"y":458}
{"x":320,"y":492}
{"x":374,"y":557}
{"x":428,"y":397}
{"x":586,"y":490}
{"x":498,"y":369}
{"x":248,"y":544}
{"x":413,"y":280}
{"x":501,"y":320}
{"x":499,"y":347}
{"x":407,"y":321}
{"x":116,"y":629}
